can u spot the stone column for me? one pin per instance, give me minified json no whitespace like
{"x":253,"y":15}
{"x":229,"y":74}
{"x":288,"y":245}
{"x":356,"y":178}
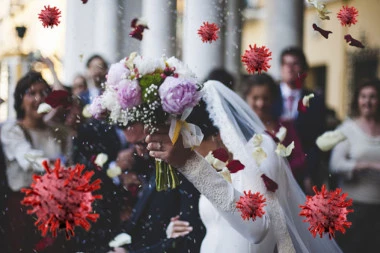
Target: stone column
{"x":161,"y":16}
{"x":284,"y":26}
{"x":202,"y":57}
{"x":233,"y":40}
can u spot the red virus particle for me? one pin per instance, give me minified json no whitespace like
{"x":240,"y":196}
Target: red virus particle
{"x":324,"y":33}
{"x":62,"y":198}
{"x":326,"y":212}
{"x":353,"y":42}
{"x":50,"y":16}
{"x":271,"y":185}
{"x":256,"y":59}
{"x":251,"y":205}
{"x":208,"y":32}
{"x":347,"y":15}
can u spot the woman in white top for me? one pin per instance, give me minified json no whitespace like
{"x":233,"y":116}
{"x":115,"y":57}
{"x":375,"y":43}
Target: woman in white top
{"x":26,"y":143}
{"x":357,"y":161}
{"x":281,"y":228}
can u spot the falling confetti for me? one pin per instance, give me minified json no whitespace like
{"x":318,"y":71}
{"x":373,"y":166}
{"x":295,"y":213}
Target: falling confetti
{"x":347,"y":16}
{"x":50,"y":16}
{"x":353,"y":42}
{"x":271,"y":185}
{"x":256,"y":59}
{"x":251,"y":205}
{"x":327,"y":212}
{"x":208,"y":32}
{"x":84,"y":1}
{"x":138,"y":28}
{"x":324,"y":33}
{"x":62,"y":198}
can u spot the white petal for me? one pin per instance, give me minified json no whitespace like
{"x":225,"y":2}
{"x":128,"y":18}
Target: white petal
{"x":259,"y":155}
{"x":218,"y":164}
{"x":226,"y":174}
{"x":306,"y":99}
{"x":114,"y":172}
{"x":283,"y":151}
{"x":281,"y":134}
{"x":120,"y":240}
{"x":86,"y":112}
{"x":209,"y":157}
{"x":101,"y":159}
{"x":257,"y":140}
{"x":44,"y":108}
{"x":329,"y":139}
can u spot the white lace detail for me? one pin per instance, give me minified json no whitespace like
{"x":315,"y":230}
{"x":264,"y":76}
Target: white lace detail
{"x":198,"y":171}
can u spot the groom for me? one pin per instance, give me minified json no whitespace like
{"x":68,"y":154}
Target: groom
{"x":153,"y":211}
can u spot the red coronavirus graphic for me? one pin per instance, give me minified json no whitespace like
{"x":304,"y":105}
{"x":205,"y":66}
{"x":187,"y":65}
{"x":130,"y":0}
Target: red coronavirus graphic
{"x":327,"y":212}
{"x":208,"y":32}
{"x":256,"y":59}
{"x":62,"y":198}
{"x":50,"y":16}
{"x":347,"y":16}
{"x":251,"y":205}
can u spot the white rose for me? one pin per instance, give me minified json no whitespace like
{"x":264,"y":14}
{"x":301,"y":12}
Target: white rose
{"x":120,"y":240}
{"x":328,"y":140}
{"x":281,"y":134}
{"x":44,"y":108}
{"x":257,"y":140}
{"x":259,"y":155}
{"x":181,"y":69}
{"x":101,"y":159}
{"x":148,"y":65}
{"x":114,"y":172}
{"x":283,"y":151}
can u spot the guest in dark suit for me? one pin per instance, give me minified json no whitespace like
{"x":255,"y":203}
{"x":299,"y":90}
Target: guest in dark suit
{"x":308,"y":125}
{"x":154,"y":209}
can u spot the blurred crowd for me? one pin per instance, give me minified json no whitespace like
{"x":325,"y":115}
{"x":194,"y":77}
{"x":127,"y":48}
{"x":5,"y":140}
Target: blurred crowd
{"x":130,"y":203}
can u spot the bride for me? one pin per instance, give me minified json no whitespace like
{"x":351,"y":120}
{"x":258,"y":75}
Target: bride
{"x":228,"y":122}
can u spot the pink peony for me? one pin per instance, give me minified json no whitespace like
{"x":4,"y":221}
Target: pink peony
{"x":96,"y":109}
{"x":129,"y":94}
{"x":177,"y":94}
{"x":117,"y":72}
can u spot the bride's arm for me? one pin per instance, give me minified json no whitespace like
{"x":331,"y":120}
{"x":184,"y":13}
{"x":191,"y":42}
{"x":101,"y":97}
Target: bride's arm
{"x":223,"y":196}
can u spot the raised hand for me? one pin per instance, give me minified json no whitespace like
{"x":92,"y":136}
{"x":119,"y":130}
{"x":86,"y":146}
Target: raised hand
{"x":178,"y":228}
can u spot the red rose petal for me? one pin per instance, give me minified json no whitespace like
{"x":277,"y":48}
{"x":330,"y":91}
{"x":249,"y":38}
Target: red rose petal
{"x":221,"y":154}
{"x":301,"y":107}
{"x":58,"y":98}
{"x":234,"y":166}
{"x":271,"y":185}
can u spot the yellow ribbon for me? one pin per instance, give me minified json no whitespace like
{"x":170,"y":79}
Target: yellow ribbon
{"x":177,"y":130}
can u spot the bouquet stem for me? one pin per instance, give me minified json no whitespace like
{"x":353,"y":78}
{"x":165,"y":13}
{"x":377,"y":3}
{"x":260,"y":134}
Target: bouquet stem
{"x":166,"y":177}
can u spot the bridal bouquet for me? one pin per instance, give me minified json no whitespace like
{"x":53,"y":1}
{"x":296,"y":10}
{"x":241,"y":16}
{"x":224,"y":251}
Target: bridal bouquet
{"x":153,"y":92}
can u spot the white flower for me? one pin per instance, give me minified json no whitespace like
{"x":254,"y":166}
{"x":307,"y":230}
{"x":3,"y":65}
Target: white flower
{"x":120,"y":240}
{"x":283,"y":151}
{"x":226,"y":174}
{"x":114,"y":171}
{"x":109,"y":99}
{"x":181,"y":69}
{"x":329,"y":139}
{"x":86,"y":112}
{"x":148,"y":65}
{"x":281,"y":134}
{"x":129,"y":61}
{"x":101,"y":159}
{"x":306,"y":100}
{"x":44,"y":108}
{"x":257,"y":139}
{"x":259,"y":155}
{"x":215,"y":163}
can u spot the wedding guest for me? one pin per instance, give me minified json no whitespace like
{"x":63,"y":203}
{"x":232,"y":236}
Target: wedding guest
{"x":79,"y":85}
{"x":261,"y":93}
{"x":357,"y":162}
{"x":308,"y":125}
{"x":27,"y":141}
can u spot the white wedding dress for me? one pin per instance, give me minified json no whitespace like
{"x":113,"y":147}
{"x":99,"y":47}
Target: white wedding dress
{"x":281,"y":227}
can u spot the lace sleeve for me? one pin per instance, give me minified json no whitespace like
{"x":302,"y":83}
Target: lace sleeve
{"x":223,"y":196}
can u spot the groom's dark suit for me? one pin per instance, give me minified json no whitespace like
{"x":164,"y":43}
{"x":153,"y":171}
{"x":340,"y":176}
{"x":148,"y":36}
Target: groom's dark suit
{"x":152,"y":214}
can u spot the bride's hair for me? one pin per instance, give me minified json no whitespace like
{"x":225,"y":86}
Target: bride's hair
{"x":200,"y":117}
